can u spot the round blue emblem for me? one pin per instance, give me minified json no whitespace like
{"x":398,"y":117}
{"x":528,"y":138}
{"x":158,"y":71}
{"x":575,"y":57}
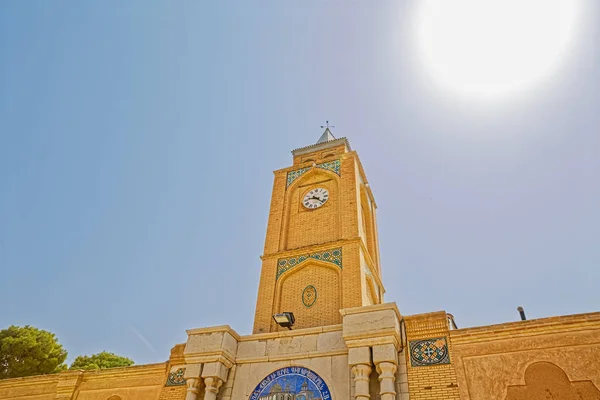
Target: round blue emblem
{"x":300,"y":382}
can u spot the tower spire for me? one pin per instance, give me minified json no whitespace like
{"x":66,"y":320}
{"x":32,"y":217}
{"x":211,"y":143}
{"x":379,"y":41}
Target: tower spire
{"x":327,"y":135}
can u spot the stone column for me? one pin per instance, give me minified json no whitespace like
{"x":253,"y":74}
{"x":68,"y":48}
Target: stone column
{"x":212,"y":388}
{"x":359,"y":359}
{"x":193,"y":388}
{"x":385,"y":357}
{"x":387,"y":371}
{"x":361,"y":373}
{"x":193,"y":380}
{"x":214,"y":374}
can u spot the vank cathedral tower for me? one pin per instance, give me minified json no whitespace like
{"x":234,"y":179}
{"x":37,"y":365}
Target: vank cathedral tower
{"x":322,"y":330}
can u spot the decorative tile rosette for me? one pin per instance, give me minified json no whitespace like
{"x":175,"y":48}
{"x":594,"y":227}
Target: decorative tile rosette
{"x":333,"y":256}
{"x":333,"y":166}
{"x":429,"y":352}
{"x":176,"y":378}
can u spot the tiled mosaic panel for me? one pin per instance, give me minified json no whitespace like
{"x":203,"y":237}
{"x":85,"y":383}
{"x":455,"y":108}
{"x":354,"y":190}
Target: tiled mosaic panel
{"x":333,"y":166}
{"x":429,"y":352}
{"x":293,"y":175}
{"x":176,"y":378}
{"x":333,"y":256}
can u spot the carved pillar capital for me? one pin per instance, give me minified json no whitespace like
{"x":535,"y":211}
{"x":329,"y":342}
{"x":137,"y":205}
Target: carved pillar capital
{"x":212,"y":385}
{"x":387,"y":378}
{"x":361,"y":373}
{"x":193,"y":388}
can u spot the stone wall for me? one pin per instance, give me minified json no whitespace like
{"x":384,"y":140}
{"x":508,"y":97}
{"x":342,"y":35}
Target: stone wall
{"x":374,"y":354}
{"x":320,"y":349}
{"x":131,"y":383}
{"x":556,"y":357}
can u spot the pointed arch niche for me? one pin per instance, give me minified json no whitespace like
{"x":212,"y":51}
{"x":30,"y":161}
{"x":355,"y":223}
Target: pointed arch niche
{"x":302,"y":227}
{"x":325,"y":280}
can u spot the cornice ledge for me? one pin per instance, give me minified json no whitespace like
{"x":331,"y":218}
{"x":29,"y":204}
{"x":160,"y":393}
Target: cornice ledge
{"x":125,"y":372}
{"x":291,"y":333}
{"x":214,"y":329}
{"x":576,"y":322}
{"x":321,"y":146}
{"x":381,"y":336}
{"x":223,"y":357}
{"x":375,"y":307}
{"x":29,"y":380}
{"x":354,"y":343}
{"x":294,"y":356}
{"x":315,"y":247}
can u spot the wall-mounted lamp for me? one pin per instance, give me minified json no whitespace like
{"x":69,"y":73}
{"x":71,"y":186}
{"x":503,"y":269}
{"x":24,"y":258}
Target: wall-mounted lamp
{"x":285,"y":320}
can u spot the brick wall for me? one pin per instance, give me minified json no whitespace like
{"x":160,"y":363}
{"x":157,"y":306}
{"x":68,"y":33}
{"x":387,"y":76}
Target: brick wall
{"x":294,"y":230}
{"x":432,"y":381}
{"x":174,"y":393}
{"x":326,"y":280}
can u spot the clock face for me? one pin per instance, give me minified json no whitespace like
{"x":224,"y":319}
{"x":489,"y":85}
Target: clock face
{"x":315,"y":198}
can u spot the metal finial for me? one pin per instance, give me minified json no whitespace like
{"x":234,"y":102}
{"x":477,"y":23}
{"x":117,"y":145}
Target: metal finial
{"x":327,"y":125}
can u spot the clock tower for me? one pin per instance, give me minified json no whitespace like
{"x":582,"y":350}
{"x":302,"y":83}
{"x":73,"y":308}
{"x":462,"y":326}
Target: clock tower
{"x":321,"y":251}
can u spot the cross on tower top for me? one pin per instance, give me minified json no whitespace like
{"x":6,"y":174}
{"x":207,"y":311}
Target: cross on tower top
{"x":327,"y":125}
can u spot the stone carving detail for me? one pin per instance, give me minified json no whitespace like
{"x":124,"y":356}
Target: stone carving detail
{"x":176,"y":378}
{"x":544,"y":380}
{"x":429,"y":352}
{"x":291,"y":383}
{"x":333,"y":256}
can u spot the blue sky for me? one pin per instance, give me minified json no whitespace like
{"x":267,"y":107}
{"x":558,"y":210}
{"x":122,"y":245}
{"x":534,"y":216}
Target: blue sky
{"x":138,"y":140}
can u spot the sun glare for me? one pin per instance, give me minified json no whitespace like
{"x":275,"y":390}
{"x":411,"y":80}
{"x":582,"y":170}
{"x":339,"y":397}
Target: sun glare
{"x":490,"y":47}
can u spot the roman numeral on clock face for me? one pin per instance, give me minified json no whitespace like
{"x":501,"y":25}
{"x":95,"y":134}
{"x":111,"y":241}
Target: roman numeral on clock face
{"x":315,"y":198}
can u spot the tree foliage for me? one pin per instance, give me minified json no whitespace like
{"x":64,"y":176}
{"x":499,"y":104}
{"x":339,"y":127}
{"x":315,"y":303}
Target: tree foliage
{"x":26,"y":351}
{"x":101,"y":361}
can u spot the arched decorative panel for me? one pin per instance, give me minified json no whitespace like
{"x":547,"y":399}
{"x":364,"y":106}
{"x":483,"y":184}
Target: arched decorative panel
{"x":297,"y":383}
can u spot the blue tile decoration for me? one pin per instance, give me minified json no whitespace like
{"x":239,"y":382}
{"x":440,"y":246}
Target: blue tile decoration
{"x":176,"y":378}
{"x":293,"y":175}
{"x":309,"y":296}
{"x":429,"y":352}
{"x":297,"y":383}
{"x":333,"y":256}
{"x":333,"y":166}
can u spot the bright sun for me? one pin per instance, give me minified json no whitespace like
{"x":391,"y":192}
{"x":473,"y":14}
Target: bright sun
{"x":489,"y":47}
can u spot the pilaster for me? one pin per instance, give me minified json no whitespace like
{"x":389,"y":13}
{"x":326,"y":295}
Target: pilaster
{"x":212,"y":351}
{"x":372,"y":335}
{"x":68,"y":382}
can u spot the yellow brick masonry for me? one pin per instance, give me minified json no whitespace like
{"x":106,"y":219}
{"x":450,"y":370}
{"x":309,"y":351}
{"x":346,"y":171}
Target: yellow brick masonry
{"x":430,"y":382}
{"x":293,"y":230}
{"x":175,"y":393}
{"x":133,"y":383}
